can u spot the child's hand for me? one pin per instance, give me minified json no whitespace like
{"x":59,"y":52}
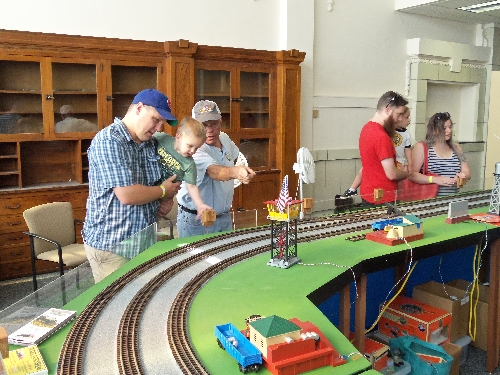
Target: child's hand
{"x":202,"y":208}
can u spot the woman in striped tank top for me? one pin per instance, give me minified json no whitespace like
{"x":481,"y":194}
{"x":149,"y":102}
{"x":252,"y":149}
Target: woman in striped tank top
{"x":445,"y":157}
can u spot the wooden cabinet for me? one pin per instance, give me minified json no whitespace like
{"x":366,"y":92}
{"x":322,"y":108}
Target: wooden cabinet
{"x":47,"y":78}
{"x":258,"y":93}
{"x":15,"y":258}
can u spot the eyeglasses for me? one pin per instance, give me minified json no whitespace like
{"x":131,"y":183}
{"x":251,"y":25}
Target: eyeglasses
{"x":394,"y":98}
{"x":442,"y":116}
{"x":213,"y":124}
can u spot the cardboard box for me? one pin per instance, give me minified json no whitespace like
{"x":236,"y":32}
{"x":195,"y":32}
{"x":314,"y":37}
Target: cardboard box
{"x":439,"y":295}
{"x":375,"y":352}
{"x":481,"y":312}
{"x":409,"y":317}
{"x":455,"y":351}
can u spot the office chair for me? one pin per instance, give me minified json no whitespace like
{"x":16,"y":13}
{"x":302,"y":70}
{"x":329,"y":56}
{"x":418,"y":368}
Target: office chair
{"x":53,"y":236}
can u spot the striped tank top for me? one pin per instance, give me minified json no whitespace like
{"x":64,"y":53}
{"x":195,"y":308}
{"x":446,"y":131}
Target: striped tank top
{"x":444,"y":167}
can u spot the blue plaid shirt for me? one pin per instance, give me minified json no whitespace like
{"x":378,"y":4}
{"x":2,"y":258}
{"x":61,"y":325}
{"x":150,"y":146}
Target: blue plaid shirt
{"x":115,"y":160}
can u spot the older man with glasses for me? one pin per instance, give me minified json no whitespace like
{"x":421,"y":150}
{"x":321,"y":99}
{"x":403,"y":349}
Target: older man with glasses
{"x":216,"y":169}
{"x":378,"y":156}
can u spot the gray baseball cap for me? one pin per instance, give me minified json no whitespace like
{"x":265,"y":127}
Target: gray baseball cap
{"x":206,"y":110}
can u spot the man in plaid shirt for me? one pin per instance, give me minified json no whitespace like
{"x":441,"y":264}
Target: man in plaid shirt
{"x":125,"y":194}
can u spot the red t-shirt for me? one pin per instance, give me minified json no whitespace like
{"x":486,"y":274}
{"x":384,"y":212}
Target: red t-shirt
{"x":374,"y":146}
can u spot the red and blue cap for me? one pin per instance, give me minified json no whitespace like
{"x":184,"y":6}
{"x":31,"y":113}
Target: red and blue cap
{"x":159,"y":101}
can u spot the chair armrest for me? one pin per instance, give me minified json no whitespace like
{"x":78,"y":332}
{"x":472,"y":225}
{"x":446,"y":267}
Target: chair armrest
{"x":32,"y":247}
{"x":43,"y":238}
{"x":171,"y":227}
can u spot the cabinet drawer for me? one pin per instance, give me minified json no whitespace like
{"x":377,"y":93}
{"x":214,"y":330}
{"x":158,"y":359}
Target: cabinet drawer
{"x":15,"y":253}
{"x":13,"y":270}
{"x":13,"y":238}
{"x":18,"y":203}
{"x":10,"y":206}
{"x":12,"y":223}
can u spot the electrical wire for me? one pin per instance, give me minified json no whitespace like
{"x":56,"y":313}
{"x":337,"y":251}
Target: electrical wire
{"x":405,"y":277}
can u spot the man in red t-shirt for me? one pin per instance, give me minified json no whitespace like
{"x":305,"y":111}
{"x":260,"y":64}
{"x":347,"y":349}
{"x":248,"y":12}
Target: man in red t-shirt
{"x":378,"y":156}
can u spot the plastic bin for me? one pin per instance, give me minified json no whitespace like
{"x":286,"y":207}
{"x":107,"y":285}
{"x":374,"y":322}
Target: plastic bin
{"x":463,"y":342}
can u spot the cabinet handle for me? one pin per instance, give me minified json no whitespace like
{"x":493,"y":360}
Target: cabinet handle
{"x":19,"y":253}
{"x":236,"y":99}
{"x":108,"y":98}
{"x":19,"y":222}
{"x":16,"y":268}
{"x":13,"y":207}
{"x":15,"y":238}
{"x":49,"y":97}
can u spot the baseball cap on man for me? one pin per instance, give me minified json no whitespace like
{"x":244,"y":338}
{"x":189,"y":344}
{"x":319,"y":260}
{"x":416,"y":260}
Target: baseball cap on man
{"x":206,"y":110}
{"x":159,"y":101}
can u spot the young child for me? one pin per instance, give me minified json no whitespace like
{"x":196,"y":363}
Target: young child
{"x":176,"y":157}
{"x":402,"y":144}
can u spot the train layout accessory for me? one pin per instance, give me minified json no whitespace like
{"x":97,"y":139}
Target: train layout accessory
{"x":396,"y":231}
{"x":495,"y":196}
{"x":283,"y":214}
{"x":305,"y":169}
{"x":458,"y":212}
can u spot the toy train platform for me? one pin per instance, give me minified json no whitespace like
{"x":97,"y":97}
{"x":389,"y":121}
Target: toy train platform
{"x":292,"y":210}
{"x":492,"y":219}
{"x":380,"y":236}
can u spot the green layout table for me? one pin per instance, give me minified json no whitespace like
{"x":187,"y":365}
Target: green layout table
{"x":252,"y":287}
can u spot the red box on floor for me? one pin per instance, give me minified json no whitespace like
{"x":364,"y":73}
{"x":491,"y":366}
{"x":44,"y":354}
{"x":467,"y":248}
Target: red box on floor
{"x":408,"y":317}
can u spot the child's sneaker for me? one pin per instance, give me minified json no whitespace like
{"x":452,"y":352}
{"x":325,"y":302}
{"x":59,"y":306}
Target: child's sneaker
{"x":349,"y":193}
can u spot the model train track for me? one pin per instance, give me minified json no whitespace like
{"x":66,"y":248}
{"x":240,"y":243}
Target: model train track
{"x":128,"y":353}
{"x":178,"y":336}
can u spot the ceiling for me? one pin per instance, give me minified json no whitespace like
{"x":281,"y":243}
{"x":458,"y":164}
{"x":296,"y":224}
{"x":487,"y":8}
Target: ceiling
{"x":448,"y":9}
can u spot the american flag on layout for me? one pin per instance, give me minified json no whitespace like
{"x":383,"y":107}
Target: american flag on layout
{"x":284,"y":198}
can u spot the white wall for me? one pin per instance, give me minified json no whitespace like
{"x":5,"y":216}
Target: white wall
{"x":360,"y":52}
{"x":230,"y":23}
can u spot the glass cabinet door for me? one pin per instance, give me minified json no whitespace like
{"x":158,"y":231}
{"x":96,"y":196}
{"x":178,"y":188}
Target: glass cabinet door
{"x":244,"y":98}
{"x":215,"y":85}
{"x":20,"y":97}
{"x":126,"y":82}
{"x":254,"y":98}
{"x":74,"y":88}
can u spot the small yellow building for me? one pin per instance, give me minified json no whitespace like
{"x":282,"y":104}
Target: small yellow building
{"x":272,"y":330}
{"x":411,"y":226}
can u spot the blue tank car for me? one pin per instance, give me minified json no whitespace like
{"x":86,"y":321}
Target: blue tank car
{"x":237,"y":345}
